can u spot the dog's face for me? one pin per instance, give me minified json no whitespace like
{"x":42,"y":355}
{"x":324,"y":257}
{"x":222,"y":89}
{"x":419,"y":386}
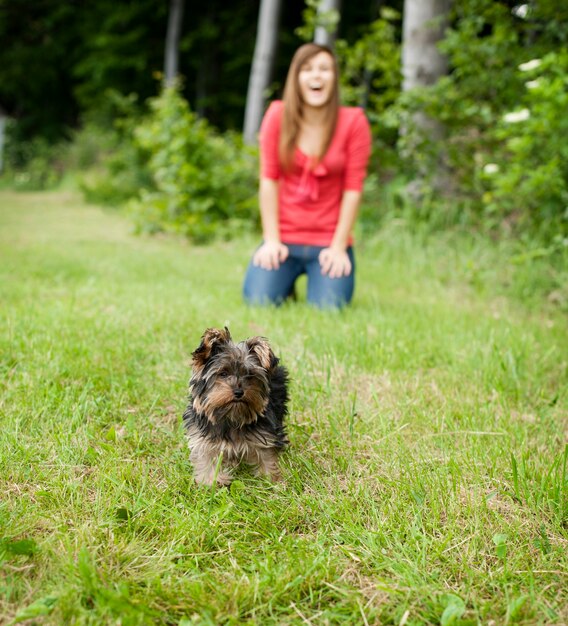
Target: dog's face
{"x":231,"y":382}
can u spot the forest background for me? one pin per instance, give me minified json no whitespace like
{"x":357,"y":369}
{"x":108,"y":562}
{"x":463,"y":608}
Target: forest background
{"x":82,"y":91}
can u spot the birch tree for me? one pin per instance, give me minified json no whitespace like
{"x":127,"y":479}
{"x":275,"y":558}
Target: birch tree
{"x":424,"y":22}
{"x":171,"y":62}
{"x":261,"y":69}
{"x":327,"y":19}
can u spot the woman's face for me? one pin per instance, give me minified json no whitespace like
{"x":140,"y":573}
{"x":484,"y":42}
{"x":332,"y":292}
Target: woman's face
{"x":316,"y":79}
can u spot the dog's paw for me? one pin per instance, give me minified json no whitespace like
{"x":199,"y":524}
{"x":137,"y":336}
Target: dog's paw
{"x":273,"y":475}
{"x":208,"y":479}
{"x":224,"y":480}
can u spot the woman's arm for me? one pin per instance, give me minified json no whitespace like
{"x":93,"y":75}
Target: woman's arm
{"x":272,"y":252}
{"x":334,"y":260}
{"x":268,"y":200}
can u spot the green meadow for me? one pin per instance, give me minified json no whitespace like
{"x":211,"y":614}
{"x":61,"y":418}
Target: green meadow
{"x":427,"y":477}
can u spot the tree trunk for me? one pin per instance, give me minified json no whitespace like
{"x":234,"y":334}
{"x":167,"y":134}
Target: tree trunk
{"x":264,"y":51}
{"x":327,"y":20}
{"x":424,"y":22}
{"x":171,"y":63}
{"x":2,"y":129}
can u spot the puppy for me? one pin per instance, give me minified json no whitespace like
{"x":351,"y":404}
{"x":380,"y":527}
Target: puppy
{"x":237,"y":406}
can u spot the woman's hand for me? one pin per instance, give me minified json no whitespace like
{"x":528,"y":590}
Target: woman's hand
{"x":270,"y":255}
{"x":334,"y":262}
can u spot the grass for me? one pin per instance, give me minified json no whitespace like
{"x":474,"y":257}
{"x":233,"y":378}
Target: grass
{"x":427,"y":478}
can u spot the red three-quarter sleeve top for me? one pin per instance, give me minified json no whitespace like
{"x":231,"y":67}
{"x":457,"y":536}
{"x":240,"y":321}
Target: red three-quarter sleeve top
{"x":310,"y":197}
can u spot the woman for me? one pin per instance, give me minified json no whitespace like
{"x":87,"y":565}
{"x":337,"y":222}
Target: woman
{"x":313,"y":161}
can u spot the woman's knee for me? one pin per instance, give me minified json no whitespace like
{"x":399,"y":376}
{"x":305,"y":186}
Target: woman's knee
{"x":260,"y":297}
{"x":331,"y":293}
{"x":265,"y":287}
{"x":330,"y":300}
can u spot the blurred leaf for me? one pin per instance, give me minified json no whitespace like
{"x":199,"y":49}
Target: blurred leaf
{"x":455,"y":608}
{"x":24,"y":547}
{"x":38,"y":608}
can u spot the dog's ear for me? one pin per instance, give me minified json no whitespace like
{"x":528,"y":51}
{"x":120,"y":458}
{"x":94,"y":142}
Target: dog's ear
{"x":213,"y":340}
{"x":260,"y":347}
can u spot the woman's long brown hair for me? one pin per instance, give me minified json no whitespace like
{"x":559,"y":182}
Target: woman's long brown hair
{"x":293,"y":105}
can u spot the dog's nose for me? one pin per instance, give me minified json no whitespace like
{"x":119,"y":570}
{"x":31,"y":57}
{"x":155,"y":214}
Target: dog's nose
{"x":239,"y":393}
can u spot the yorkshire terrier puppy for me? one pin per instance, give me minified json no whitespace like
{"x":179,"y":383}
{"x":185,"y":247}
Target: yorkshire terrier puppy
{"x":237,"y":406}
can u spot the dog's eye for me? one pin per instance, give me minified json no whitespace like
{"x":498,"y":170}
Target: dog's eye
{"x":223,"y":374}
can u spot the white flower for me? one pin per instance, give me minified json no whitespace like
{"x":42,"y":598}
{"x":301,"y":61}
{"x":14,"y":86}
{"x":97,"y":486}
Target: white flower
{"x":530,"y":65}
{"x":532,"y":84}
{"x":490,"y":168}
{"x":517,"y":116}
{"x":521,"y":10}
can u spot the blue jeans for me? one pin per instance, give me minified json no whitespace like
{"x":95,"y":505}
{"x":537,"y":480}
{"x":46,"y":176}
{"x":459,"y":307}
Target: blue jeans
{"x":274,"y":286}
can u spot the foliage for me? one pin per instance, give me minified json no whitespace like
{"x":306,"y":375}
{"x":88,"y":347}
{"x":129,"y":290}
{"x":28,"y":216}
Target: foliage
{"x":33,"y":164}
{"x":512,"y":174}
{"x":178,"y":172}
{"x":102,"y":144}
{"x":39,"y":44}
{"x":528,"y":176}
{"x":58,"y":60}
{"x":370,"y":67}
{"x":370,"y":77}
{"x":203,"y":183}
{"x":313,"y":19}
{"x":121,"y":166}
{"x":121,"y":47}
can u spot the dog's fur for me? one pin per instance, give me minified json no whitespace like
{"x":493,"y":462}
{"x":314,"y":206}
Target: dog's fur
{"x":238,"y":402}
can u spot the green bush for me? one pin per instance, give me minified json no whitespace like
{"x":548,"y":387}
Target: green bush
{"x":202,"y":184}
{"x":32,"y":165}
{"x":528,"y":176}
{"x":120,"y":170}
{"x":503,"y":127}
{"x":102,"y":144}
{"x":371,"y":77}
